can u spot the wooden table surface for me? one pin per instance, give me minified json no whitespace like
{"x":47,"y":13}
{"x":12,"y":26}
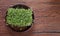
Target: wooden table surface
{"x":46,"y":18}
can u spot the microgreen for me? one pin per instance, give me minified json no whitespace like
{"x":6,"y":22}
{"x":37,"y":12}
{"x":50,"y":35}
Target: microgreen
{"x":19,"y":17}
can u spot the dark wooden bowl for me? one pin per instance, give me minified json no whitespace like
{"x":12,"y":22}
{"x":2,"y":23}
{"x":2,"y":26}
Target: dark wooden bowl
{"x":20,"y":29}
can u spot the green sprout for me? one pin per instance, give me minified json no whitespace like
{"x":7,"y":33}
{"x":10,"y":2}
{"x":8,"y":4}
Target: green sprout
{"x":19,"y":17}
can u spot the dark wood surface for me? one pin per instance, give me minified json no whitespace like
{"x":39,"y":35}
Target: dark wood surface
{"x":46,"y":14}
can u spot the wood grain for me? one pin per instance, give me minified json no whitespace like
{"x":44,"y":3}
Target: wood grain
{"x":46,"y":14}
